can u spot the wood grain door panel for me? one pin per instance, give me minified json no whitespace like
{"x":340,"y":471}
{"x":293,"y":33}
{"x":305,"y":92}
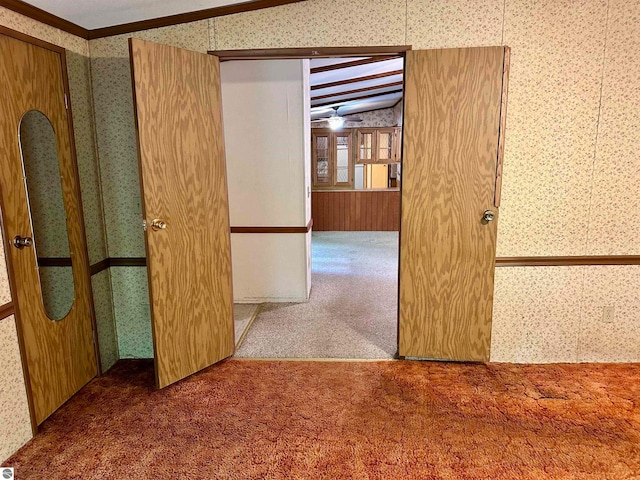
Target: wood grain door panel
{"x":60,"y":356}
{"x":452,"y":122}
{"x":183,"y":175}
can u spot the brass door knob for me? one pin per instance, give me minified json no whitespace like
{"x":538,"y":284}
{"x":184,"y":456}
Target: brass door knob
{"x":158,"y":224}
{"x":21,"y":242}
{"x":488,"y":216}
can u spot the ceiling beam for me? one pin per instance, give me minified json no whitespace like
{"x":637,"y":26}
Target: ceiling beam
{"x":361,"y":97}
{"x":358,"y":90}
{"x":354,"y":63}
{"x":357,"y":79}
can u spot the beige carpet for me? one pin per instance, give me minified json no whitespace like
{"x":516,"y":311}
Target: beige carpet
{"x":352,"y":312}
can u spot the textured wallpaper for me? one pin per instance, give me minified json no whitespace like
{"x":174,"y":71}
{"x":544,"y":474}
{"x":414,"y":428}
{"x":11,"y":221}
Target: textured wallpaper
{"x":131,"y":309}
{"x":554,"y":89}
{"x":327,"y":23}
{"x":14,"y":410}
{"x":536,"y":314}
{"x":571,"y":175}
{"x":556,"y":314}
{"x":377,"y":118}
{"x":614,"y":216}
{"x":454,"y":23}
{"x":81,"y":98}
{"x":105,"y":319}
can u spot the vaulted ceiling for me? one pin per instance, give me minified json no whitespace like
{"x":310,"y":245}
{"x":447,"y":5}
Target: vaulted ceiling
{"x":354,"y":85}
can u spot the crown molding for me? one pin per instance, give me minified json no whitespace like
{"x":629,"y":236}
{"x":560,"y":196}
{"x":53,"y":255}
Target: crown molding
{"x":45,"y":17}
{"x":52,"y":20}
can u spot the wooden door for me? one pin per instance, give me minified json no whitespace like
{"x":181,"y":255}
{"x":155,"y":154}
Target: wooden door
{"x":453,"y":129}
{"x":184,"y":190}
{"x":60,"y":355}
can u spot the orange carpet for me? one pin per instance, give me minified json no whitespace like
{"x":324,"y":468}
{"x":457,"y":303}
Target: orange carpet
{"x":317,"y":420}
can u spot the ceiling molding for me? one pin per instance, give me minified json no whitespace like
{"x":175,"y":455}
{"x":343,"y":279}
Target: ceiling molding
{"x":357,"y":79}
{"x":362,"y":97}
{"x":354,"y":63}
{"x":47,"y":18}
{"x":358,"y":90}
{"x":186,"y":17}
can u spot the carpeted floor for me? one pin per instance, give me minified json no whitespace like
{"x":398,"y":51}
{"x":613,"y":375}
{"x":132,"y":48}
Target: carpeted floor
{"x":248,"y":419}
{"x":352,"y":312}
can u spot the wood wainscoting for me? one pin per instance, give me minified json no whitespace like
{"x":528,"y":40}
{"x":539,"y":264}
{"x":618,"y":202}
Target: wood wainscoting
{"x":355,"y":210}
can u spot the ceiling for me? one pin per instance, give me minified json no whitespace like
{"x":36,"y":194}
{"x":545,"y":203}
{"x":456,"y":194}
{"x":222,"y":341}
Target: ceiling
{"x":354,"y":85}
{"x":92,"y":14}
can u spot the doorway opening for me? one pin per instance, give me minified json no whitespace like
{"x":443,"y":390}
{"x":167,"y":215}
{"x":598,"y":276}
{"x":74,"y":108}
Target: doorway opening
{"x":352,"y":129}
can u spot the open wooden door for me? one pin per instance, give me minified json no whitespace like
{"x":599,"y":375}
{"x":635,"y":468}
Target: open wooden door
{"x":177,"y":102}
{"x":42,"y":217}
{"x":455,"y":102}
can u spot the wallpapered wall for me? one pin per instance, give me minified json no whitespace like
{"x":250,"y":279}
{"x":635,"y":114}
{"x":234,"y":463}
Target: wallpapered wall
{"x":116,"y":141}
{"x":385,"y":117}
{"x":571,"y":178}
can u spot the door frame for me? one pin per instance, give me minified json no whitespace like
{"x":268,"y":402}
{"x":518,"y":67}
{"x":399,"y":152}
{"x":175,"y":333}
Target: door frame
{"x":333,"y":52}
{"x":7,"y":241}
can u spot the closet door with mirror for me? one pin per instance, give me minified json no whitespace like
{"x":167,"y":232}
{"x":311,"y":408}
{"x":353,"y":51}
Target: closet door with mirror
{"x":43,"y":228}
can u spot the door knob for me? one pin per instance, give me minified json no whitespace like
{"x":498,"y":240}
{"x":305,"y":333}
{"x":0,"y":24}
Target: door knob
{"x":21,"y":242}
{"x":158,"y":224}
{"x":488,"y":216}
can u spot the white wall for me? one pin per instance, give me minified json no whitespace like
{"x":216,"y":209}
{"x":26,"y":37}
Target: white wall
{"x":265,"y":108}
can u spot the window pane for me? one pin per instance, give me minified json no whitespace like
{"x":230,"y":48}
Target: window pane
{"x":384,"y":146}
{"x":322,"y":160}
{"x":322,"y":174}
{"x":48,"y":216}
{"x":366,"y":144}
{"x":342,"y":160}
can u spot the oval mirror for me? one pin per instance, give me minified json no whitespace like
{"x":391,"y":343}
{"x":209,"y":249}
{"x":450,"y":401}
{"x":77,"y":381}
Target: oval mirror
{"x":48,"y":216}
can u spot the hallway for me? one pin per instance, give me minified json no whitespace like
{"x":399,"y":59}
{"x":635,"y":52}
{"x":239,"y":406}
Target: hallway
{"x":352,"y":311}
